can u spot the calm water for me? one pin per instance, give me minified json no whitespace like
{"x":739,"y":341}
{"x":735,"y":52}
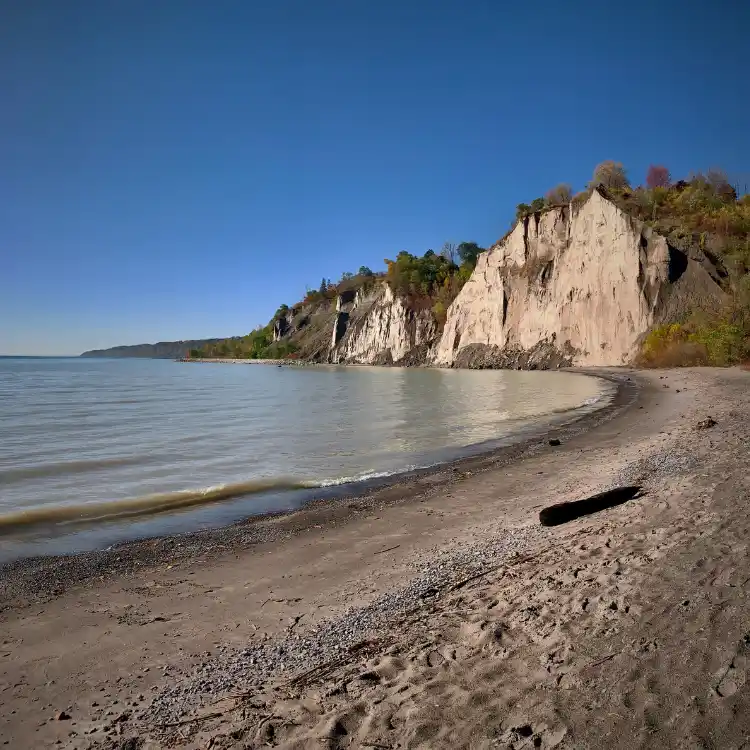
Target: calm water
{"x":95,"y":451}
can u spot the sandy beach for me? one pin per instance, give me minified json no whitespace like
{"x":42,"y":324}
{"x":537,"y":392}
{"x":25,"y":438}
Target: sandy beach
{"x":433,"y":613}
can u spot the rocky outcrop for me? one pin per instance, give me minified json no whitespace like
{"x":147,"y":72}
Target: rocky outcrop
{"x":543,"y":356}
{"x":381,"y":328}
{"x":569,"y":286}
{"x":281,"y":327}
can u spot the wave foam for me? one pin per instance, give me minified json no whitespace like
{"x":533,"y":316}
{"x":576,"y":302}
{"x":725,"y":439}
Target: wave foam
{"x":140,"y":506}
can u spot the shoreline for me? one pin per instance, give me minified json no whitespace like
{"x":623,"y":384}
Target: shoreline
{"x":51,"y":575}
{"x":233,"y":361}
{"x":439,"y":614}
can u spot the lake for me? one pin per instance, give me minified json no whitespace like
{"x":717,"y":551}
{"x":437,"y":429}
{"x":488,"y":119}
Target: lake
{"x":94,"y":451}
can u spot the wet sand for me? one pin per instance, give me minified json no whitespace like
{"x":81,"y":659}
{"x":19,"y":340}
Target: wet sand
{"x":437,"y":612}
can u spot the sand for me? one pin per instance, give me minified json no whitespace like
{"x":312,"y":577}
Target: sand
{"x":443,"y":617}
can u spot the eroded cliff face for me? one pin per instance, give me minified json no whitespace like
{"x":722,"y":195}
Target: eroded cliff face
{"x":378,"y":327}
{"x":569,"y":286}
{"x":573,"y":285}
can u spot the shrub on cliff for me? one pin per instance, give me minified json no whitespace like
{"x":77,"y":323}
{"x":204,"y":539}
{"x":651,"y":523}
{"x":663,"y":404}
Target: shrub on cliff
{"x":719,"y":340}
{"x":658,"y":177}
{"x":522,"y":210}
{"x":538,"y":204}
{"x":440,"y":311}
{"x":560,"y":195}
{"x":610,"y":174}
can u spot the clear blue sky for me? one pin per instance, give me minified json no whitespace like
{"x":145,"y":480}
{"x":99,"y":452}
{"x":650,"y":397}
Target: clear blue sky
{"x":177,"y":169}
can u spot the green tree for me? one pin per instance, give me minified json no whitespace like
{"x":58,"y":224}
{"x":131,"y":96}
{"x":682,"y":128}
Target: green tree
{"x":522,"y":210}
{"x":365,"y":271}
{"x":468,"y":252}
{"x":537,"y":204}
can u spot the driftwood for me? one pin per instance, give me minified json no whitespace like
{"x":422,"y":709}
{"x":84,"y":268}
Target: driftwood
{"x":554,"y":515}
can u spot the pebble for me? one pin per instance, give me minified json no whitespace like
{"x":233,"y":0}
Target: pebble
{"x":241,"y":668}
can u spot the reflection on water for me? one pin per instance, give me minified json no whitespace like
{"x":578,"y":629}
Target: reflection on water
{"x":84,"y":432}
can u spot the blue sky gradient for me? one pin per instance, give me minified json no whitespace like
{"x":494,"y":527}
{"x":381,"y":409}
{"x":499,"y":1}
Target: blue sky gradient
{"x":177,"y":169}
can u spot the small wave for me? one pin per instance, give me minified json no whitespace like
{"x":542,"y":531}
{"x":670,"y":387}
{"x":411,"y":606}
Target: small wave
{"x":140,"y":506}
{"x":363,"y":477}
{"x":593,"y":400}
{"x":24,"y":473}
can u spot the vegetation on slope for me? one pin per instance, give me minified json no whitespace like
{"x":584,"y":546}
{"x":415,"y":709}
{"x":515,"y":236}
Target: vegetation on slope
{"x":430,"y":281}
{"x":702,"y":213}
{"x":258,"y":344}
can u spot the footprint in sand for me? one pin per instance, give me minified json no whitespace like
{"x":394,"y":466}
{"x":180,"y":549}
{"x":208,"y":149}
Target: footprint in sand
{"x":732,"y":678}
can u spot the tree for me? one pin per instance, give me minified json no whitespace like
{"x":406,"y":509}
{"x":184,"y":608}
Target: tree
{"x":346,"y":276}
{"x":719,"y":182}
{"x":365,"y":271}
{"x":522,"y":209}
{"x":448,"y":251}
{"x":537,"y":205}
{"x":409,"y":274}
{"x":610,"y":174}
{"x":658,"y":177}
{"x":559,"y":195}
{"x":716,"y":178}
{"x":468,"y":252}
{"x":323,"y":286}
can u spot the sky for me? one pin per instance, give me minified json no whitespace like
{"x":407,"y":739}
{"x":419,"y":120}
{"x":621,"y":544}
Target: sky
{"x":178,"y":169}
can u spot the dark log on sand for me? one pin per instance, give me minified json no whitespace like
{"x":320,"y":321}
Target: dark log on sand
{"x":553,"y":515}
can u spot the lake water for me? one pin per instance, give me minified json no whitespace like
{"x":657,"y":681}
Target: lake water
{"x":95,"y":451}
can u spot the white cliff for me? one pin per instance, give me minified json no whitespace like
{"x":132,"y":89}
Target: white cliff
{"x":587,"y":282}
{"x":379,"y":327}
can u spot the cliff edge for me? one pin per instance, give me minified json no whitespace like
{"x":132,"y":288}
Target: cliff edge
{"x":572,"y":285}
{"x":580,"y":283}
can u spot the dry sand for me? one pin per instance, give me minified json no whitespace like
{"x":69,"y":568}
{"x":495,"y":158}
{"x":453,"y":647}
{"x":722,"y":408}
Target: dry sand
{"x":446,"y":619}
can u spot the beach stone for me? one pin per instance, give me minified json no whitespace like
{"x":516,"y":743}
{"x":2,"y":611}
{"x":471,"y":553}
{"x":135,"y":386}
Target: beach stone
{"x":62,"y":716}
{"x":706,"y":424}
{"x":554,"y":442}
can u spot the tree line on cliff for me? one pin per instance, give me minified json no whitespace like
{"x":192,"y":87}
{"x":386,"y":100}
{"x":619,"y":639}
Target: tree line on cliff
{"x":430,"y":281}
{"x":703,"y":212}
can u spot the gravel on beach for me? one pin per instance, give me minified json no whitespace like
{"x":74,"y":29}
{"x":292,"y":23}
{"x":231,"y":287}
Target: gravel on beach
{"x":240,"y":670}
